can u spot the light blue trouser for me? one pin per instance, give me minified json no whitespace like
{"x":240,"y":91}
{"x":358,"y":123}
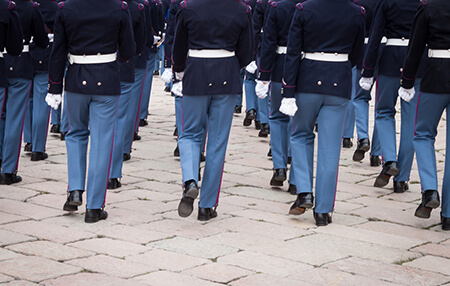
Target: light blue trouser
{"x":120,"y":131}
{"x":132,"y":118}
{"x":56,"y":116}
{"x":148,"y":80}
{"x":64,"y":120}
{"x":94,"y":116}
{"x":239,"y":96}
{"x":178,"y":100}
{"x":2,"y":118}
{"x":41,"y":112}
{"x":250,"y":93}
{"x":429,"y":111}
{"x":214,"y":113}
{"x":385,"y":121}
{"x":361,"y":104}
{"x":322,"y":108}
{"x":28,"y":124}
{"x":349,"y":126}
{"x":262,"y":114}
{"x":280,"y":133}
{"x":159,"y":57}
{"x":18,"y":93}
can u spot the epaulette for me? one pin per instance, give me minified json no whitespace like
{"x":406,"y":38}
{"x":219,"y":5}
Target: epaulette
{"x":273,"y":3}
{"x":424,"y":2}
{"x":11,"y":5}
{"x":183,"y":4}
{"x":124,"y":5}
{"x":249,"y":9}
{"x":363,"y":10}
{"x":299,"y":6}
{"x":35,"y":4}
{"x":141,"y":6}
{"x":61,"y":4}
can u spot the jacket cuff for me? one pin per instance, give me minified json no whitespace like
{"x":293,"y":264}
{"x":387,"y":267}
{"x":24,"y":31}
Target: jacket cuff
{"x":167,"y":63}
{"x":264,"y":75}
{"x":407,"y":83}
{"x":288,"y":91}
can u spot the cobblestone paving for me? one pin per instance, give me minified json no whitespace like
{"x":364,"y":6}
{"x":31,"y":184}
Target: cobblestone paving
{"x":374,"y":238}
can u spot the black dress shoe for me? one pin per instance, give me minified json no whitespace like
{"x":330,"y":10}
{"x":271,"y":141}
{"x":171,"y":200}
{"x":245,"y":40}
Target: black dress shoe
{"x":269,"y":154}
{"x":175,"y":132}
{"x":249,"y":116}
{"x":28,"y":147}
{"x":190,"y":193}
{"x":347,"y":143}
{"x":56,"y":128}
{"x":375,"y":161}
{"x":265,"y":130}
{"x":257,"y":125}
{"x":176,"y":152}
{"x":238,"y":109}
{"x":361,"y":148}
{"x":322,"y":219}
{"x":63,"y":136}
{"x":289,"y":160}
{"x":202,"y":157}
{"x":9,"y":179}
{"x":389,"y":169}
{"x":156,"y":73}
{"x":400,"y":186}
{"x":37,"y":156}
{"x":316,"y":127}
{"x":279,"y":176}
{"x":304,"y":201}
{"x":94,"y":215}
{"x":205,"y":214}
{"x":74,"y":199}
{"x":167,"y":89}
{"x":126,"y":156}
{"x":136,"y":137}
{"x":199,"y":174}
{"x":143,"y":122}
{"x":445,"y":222}
{"x":430,"y":201}
{"x":292,"y":189}
{"x":114,"y":183}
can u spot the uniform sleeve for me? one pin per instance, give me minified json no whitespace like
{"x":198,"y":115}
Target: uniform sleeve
{"x":257,"y":19}
{"x":13,"y":34}
{"x":269,"y":45}
{"x":180,"y":42}
{"x":416,"y":47}
{"x":58,"y":57}
{"x":293,"y":55}
{"x":170,"y":31}
{"x":38,"y":30}
{"x":126,"y":45}
{"x":377,"y":33}
{"x":358,"y":45}
{"x":148,"y":21}
{"x":140,"y":33}
{"x":244,"y":47}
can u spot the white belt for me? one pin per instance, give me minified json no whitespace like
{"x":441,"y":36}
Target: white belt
{"x":1,"y":55}
{"x":327,"y":57}
{"x":443,"y":54}
{"x":92,"y":59}
{"x":366,"y":41}
{"x":210,"y":54}
{"x":397,"y":42}
{"x":383,"y":40}
{"x":281,"y":50}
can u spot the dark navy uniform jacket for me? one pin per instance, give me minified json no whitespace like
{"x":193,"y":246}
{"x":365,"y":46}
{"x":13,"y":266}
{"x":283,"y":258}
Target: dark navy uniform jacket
{"x":141,"y":60}
{"x":170,"y":32}
{"x":32,"y":26}
{"x":393,"y":19}
{"x":431,"y":26}
{"x":275,"y":34}
{"x":157,"y":20}
{"x":212,"y":24}
{"x":137,"y":13}
{"x":39,"y":56}
{"x":320,"y":26}
{"x":258,"y":21}
{"x":11,"y":36}
{"x":90,"y":28}
{"x":369,"y":6}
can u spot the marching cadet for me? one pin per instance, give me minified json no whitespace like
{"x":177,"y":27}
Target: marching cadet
{"x":11,"y":40}
{"x":318,"y":83}
{"x":431,"y":27}
{"x":41,"y":110}
{"x":126,"y":83}
{"x":361,"y":101}
{"x":93,"y":35}
{"x":19,"y":76}
{"x":213,"y":41}
{"x":273,"y":51}
{"x":393,"y":19}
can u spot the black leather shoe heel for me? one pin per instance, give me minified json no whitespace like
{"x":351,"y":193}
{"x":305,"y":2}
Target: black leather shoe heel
{"x":74,"y":199}
{"x":389,"y":169}
{"x":400,"y":186}
{"x":322,"y":219}
{"x":205,"y":214}
{"x":94,"y":215}
{"x":430,"y":201}
{"x":190,"y":193}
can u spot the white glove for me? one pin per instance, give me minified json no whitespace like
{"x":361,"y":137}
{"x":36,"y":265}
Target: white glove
{"x":406,"y":94}
{"x":288,"y":106}
{"x":163,"y":38}
{"x":53,"y":100}
{"x":51,"y":37}
{"x":156,"y":39}
{"x":252,"y":67}
{"x":179,"y":75}
{"x":366,"y":83}
{"x":262,"y":88}
{"x":177,"y":88}
{"x":167,"y":75}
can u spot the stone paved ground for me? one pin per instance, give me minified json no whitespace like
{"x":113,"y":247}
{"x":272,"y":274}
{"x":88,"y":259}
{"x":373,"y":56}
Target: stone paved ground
{"x":374,"y":238}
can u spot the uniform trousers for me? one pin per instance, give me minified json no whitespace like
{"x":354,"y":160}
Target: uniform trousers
{"x":280,"y":133}
{"x":132,"y":117}
{"x":28,"y":124}
{"x":64,"y":120}
{"x":330,"y":111}
{"x":148,"y":80}
{"x":41,"y":112}
{"x":429,"y":111}
{"x":18,"y":93}
{"x":215,"y":113}
{"x":387,"y":93}
{"x":91,"y":116}
{"x":55,"y":118}
{"x":2,"y":118}
{"x":250,"y":93}
{"x":239,"y":96}
{"x":349,"y":127}
{"x":120,"y":131}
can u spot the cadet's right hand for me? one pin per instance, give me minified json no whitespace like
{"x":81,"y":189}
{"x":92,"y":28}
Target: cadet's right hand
{"x":156,"y":39}
{"x":252,"y":67}
{"x":53,"y":100}
{"x":262,"y":88}
{"x":366,"y":83}
{"x":288,"y":106}
{"x":177,"y":88}
{"x":406,"y":94}
{"x":167,"y":75}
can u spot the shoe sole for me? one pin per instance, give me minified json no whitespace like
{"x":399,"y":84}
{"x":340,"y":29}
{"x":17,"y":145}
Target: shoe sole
{"x":280,"y":178}
{"x":306,"y":205}
{"x":423,"y":212}
{"x":38,"y":159}
{"x":433,"y":204}
{"x":69,"y":208}
{"x":186,"y":206}
{"x":247,"y":122}
{"x":297,"y":211}
{"x":262,"y":135}
{"x":75,"y":203}
{"x":276,"y":183}
{"x":358,"y":155}
{"x":383,"y":180}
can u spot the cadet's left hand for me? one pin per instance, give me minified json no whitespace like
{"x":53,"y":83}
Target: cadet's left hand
{"x":177,"y":88}
{"x":51,"y":37}
{"x":406,"y":94}
{"x":53,"y":100}
{"x":167,"y":75}
{"x":288,"y":106}
{"x":262,"y":88}
{"x":366,"y":83}
{"x":252,"y":67}
{"x":156,"y":39}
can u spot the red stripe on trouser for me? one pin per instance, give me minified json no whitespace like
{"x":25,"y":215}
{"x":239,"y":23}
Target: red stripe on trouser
{"x":220,"y":185}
